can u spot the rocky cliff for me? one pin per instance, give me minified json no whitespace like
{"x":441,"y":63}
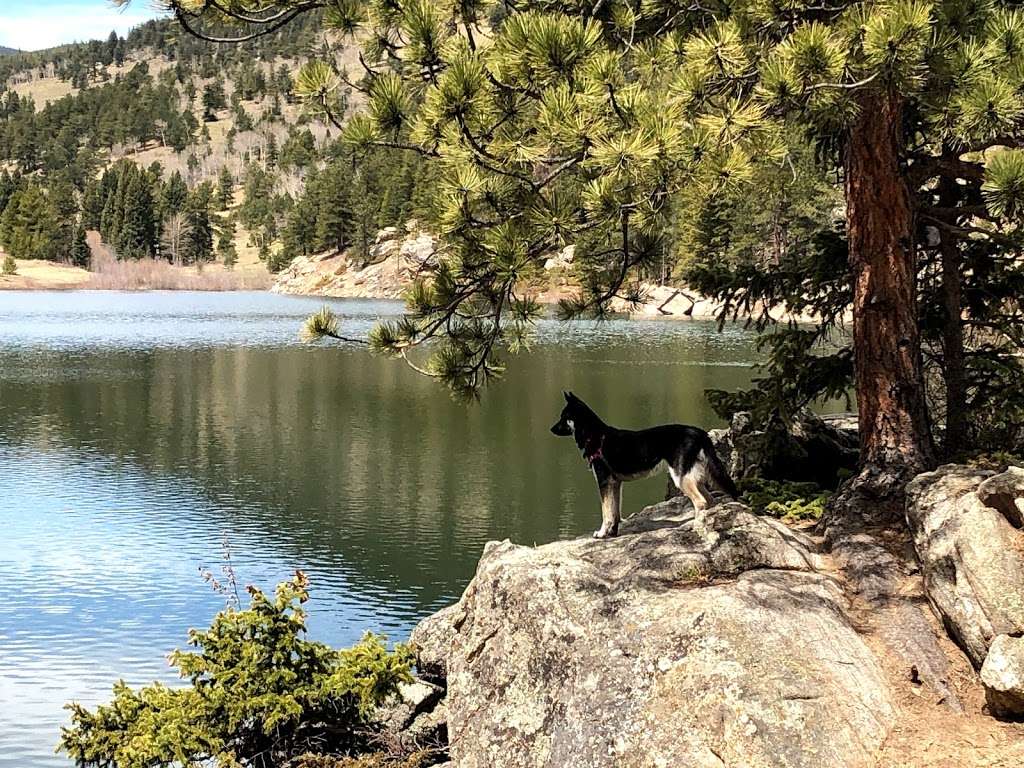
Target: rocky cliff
{"x":738,"y":643}
{"x":393,"y":261}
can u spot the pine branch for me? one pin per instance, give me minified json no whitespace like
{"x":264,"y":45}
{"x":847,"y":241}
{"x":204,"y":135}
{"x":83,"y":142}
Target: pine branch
{"x":843,"y":86}
{"x":183,"y":17}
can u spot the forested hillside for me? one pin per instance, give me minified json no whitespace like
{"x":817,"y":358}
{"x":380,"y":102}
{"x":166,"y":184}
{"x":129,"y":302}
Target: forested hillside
{"x":178,"y":149}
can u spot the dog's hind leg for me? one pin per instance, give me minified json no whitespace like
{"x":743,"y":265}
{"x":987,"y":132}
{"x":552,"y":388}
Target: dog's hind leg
{"x":688,"y":484}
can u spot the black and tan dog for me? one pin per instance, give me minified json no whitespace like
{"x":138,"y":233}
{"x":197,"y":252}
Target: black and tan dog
{"x":617,"y":455}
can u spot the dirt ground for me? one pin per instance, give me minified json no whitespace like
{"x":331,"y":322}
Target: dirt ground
{"x":927,"y":733}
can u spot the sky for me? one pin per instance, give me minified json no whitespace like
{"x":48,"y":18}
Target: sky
{"x":34,"y":24}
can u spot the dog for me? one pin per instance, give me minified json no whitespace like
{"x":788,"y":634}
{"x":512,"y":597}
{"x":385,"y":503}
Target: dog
{"x":617,"y":455}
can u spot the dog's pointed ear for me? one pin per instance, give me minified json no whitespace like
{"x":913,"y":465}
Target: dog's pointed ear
{"x":567,"y":396}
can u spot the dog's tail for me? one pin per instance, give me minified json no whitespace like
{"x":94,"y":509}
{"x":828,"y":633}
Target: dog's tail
{"x":719,"y":473}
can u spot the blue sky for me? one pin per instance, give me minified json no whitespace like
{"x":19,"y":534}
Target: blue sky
{"x":34,"y":24}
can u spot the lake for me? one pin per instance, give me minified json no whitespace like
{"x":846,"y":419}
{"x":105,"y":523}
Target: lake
{"x":139,"y":431}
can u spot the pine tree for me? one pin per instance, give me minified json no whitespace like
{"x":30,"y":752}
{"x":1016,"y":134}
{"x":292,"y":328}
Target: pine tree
{"x":213,"y":100}
{"x":136,"y":235}
{"x":62,"y":198}
{"x":197,"y":239}
{"x":92,"y":205}
{"x":334,"y":224}
{"x":299,"y":235}
{"x":225,"y":188}
{"x":587,"y":124}
{"x":226,"y":250}
{"x":80,"y":254}
{"x":173,"y":194}
{"x":29,"y":226}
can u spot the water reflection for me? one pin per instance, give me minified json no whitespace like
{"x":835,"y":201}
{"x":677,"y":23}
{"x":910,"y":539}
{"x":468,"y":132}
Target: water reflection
{"x":136,"y":428}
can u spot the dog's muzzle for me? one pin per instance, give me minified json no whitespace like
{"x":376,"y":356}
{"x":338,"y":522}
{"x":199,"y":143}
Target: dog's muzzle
{"x":561,"y":429}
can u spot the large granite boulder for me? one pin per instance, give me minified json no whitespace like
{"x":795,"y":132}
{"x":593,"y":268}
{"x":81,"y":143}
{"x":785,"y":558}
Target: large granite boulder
{"x":673,"y":645}
{"x":971,"y":554}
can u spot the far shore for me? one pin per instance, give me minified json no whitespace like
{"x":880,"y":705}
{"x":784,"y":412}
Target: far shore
{"x":142,"y":275}
{"x":663,"y":302}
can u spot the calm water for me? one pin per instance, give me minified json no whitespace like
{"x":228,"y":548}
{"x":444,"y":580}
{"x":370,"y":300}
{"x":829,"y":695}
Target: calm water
{"x":137,"y":430}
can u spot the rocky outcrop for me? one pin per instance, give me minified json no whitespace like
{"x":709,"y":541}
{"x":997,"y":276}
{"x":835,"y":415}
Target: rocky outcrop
{"x":971,"y":555}
{"x":965,"y":527}
{"x":675,"y":644}
{"x":394,"y":261}
{"x":396,"y":258}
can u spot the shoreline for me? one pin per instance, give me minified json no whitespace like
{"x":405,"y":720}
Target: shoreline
{"x":702,"y":309}
{"x":378,"y":281}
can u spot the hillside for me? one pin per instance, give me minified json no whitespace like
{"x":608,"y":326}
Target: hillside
{"x":5,"y":51}
{"x":228,"y":160}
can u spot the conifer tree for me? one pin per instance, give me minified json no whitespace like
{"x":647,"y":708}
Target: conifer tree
{"x":28,"y":228}
{"x":225,"y":188}
{"x":226,"y":249}
{"x":136,"y":232}
{"x":92,"y":205}
{"x":584,"y":122}
{"x":334,"y":224}
{"x":213,"y":100}
{"x":80,"y":254}
{"x":298,"y":238}
{"x":173,"y":194}
{"x":197,"y":240}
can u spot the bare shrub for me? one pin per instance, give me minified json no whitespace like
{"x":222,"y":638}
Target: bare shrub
{"x":158,"y":275}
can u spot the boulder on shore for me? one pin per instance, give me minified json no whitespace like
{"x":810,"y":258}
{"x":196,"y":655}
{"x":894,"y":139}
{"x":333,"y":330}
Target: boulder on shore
{"x":971,"y":555}
{"x":966,"y":529}
{"x":676,"y":644}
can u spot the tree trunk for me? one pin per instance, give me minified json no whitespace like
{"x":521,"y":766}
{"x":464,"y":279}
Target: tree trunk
{"x":895,"y":438}
{"x":952,"y":330}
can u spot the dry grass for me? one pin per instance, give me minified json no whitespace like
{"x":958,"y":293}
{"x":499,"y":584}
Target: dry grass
{"x":109,"y":274}
{"x":158,"y":275}
{"x":41,"y":275}
{"x":44,"y":90}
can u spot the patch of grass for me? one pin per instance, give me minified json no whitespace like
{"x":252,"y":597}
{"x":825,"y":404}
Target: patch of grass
{"x":696,"y":574}
{"x":997,"y":461}
{"x":790,"y":502}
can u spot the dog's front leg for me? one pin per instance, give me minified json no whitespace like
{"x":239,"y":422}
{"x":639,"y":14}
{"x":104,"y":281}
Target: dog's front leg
{"x":611,"y":502}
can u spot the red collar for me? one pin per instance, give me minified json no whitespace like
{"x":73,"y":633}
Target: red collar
{"x":598,"y":454}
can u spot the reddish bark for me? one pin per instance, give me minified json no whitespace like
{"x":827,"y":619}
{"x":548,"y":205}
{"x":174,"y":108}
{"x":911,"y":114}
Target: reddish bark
{"x":895,"y":437}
